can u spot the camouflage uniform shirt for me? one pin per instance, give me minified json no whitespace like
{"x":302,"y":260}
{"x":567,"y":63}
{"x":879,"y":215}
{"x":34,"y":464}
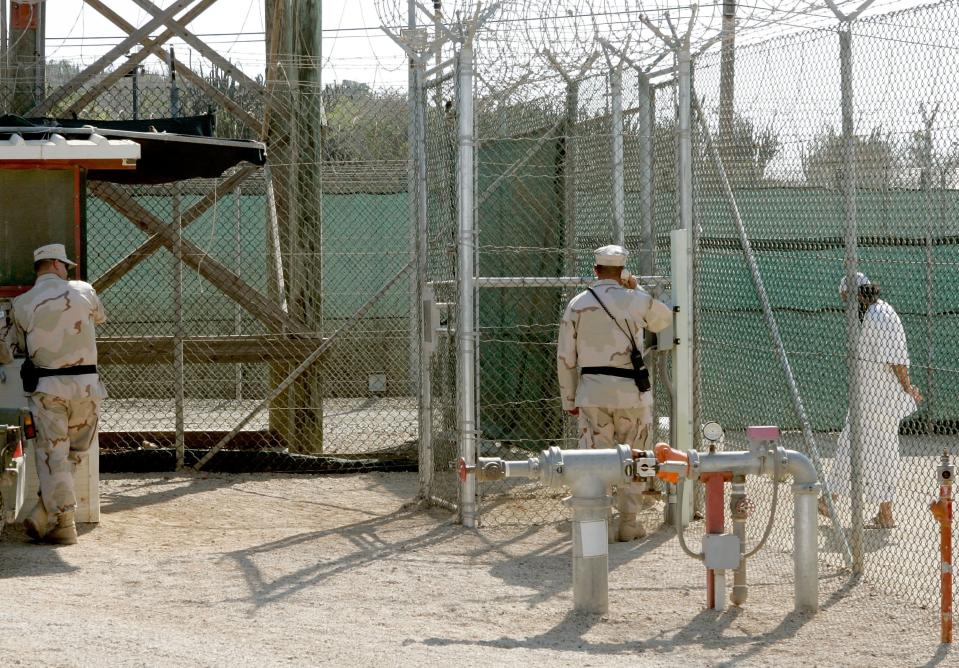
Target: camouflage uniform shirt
{"x":56,"y":319}
{"x":588,"y":337}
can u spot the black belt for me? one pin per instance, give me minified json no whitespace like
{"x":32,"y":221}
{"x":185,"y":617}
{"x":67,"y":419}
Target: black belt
{"x":619,"y":372}
{"x":81,"y":370}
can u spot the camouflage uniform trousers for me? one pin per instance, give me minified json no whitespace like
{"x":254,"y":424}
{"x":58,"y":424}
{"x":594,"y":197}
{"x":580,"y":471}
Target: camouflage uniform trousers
{"x":65,"y":430}
{"x":606,"y":428}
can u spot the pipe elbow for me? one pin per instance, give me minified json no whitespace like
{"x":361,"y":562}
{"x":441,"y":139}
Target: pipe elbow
{"x":800,"y":467}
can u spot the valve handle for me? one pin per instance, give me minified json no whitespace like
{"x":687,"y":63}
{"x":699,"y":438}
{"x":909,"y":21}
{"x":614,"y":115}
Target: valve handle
{"x":463,"y":469}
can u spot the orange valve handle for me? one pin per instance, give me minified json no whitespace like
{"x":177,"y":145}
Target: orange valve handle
{"x":463,"y":470}
{"x":664,"y":454}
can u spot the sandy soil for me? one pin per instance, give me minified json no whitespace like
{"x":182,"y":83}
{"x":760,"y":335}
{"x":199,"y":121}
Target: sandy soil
{"x":247,"y":570}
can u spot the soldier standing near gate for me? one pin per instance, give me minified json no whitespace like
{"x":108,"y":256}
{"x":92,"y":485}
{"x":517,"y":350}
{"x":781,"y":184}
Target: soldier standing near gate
{"x":602,"y":377}
{"x":53,"y":325}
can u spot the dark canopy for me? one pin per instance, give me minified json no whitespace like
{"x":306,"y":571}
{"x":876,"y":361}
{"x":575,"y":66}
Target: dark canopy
{"x":171,"y":149}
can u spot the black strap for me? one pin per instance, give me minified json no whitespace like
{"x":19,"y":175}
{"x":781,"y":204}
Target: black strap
{"x":66,"y":371}
{"x":609,"y":371}
{"x":626,"y":331}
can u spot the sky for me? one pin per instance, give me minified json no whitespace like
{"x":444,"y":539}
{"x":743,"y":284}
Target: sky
{"x":354,"y":47}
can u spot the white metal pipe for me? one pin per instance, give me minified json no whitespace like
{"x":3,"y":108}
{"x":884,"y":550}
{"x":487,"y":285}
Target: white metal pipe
{"x":466,"y":338}
{"x":805,"y":546}
{"x":740,"y":588}
{"x":618,"y":155}
{"x":719,"y":589}
{"x":545,"y":281}
{"x":684,"y":75}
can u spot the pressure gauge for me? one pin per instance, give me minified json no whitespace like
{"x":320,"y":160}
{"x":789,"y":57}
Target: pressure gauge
{"x":713,"y":432}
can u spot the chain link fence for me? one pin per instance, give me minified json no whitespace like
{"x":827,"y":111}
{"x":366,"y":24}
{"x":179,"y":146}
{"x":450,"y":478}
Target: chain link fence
{"x":263,"y":320}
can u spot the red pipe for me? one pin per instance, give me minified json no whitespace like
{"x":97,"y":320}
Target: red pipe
{"x":715,"y":521}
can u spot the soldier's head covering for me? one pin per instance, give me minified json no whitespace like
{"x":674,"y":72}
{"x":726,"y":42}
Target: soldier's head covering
{"x":861,"y":280}
{"x":53,"y":252}
{"x":611,"y":256}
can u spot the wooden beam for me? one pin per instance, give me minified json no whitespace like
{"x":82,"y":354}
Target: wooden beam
{"x":150,"y":47}
{"x":154,"y":243}
{"x":155,"y":47}
{"x":77,"y":82}
{"x":250,"y":349}
{"x":201,"y":46}
{"x":224,"y":279}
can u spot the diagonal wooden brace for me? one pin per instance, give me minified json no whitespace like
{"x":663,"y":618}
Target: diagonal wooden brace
{"x":178,"y":28}
{"x":154,"y":243}
{"x":220,"y":276}
{"x":77,"y":82}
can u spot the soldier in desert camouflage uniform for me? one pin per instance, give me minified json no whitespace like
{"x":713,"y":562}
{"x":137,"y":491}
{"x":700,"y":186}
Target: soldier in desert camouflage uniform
{"x":54,"y":323}
{"x":611,"y":409}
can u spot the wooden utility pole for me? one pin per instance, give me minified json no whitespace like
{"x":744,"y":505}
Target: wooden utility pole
{"x":26,"y":54}
{"x":292,"y":130}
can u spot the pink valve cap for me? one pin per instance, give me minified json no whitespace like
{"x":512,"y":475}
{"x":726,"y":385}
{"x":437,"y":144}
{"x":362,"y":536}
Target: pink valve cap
{"x":768,"y":433}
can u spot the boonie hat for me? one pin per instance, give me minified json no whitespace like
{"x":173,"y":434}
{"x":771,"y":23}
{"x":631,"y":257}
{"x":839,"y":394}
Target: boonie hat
{"x":53,"y":252}
{"x":611,"y":256}
{"x":861,"y":280}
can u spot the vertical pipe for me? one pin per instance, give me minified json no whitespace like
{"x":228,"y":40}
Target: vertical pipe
{"x":590,"y":554}
{"x":738,"y":513}
{"x":135,"y":83}
{"x":618,"y":166}
{"x":646,"y":127}
{"x":942,"y":511}
{"x":805,"y":546}
{"x":715,"y":524}
{"x":178,"y":333}
{"x":681,"y":422}
{"x":852,"y":304}
{"x":466,"y":338}
{"x":414,"y":312}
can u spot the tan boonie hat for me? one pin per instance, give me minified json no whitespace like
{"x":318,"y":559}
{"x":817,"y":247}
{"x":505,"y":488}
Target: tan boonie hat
{"x":861,"y":280}
{"x":53,"y":252}
{"x":611,"y":256}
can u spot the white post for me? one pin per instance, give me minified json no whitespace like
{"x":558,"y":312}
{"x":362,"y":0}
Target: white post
{"x":466,"y":337}
{"x":682,"y":422}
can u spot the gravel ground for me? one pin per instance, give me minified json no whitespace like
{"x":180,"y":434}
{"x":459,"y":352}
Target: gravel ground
{"x":253,"y":570}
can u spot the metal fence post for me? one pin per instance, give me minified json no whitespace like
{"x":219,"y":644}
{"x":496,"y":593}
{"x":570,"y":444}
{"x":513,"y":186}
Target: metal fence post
{"x":647,"y":101}
{"x":465,"y":335}
{"x":569,"y":177}
{"x":178,"y":333}
{"x":421,"y":248}
{"x":852,"y":302}
{"x":618,"y":166}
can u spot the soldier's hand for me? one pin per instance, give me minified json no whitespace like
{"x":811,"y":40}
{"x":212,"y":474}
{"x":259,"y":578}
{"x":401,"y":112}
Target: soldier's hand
{"x":632,"y":283}
{"x":574,"y":412}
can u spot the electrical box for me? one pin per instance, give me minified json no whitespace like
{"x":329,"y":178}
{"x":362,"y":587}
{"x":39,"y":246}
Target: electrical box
{"x":721,"y":551}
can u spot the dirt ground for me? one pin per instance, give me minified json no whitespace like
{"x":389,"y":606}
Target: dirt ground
{"x":255,"y":570}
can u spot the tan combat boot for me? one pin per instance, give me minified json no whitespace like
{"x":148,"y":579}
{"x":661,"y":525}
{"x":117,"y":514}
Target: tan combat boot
{"x":37,"y":522}
{"x":65,"y":532}
{"x":630,"y":528}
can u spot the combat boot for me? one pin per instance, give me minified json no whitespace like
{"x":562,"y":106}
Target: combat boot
{"x":65,"y":532}
{"x":37,"y":522}
{"x":630,"y":528}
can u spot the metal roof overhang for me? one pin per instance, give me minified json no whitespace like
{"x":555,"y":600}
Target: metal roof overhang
{"x":163,"y":157}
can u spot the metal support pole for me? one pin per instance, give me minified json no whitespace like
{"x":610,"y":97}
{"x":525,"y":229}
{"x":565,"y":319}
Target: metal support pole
{"x":237,"y":309}
{"x":685,"y":142}
{"x":466,"y":337}
{"x":424,"y":386}
{"x":569,"y":178}
{"x":852,"y":302}
{"x":647,"y":107}
{"x":174,"y":91}
{"x":178,"y":333}
{"x":618,"y":166}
